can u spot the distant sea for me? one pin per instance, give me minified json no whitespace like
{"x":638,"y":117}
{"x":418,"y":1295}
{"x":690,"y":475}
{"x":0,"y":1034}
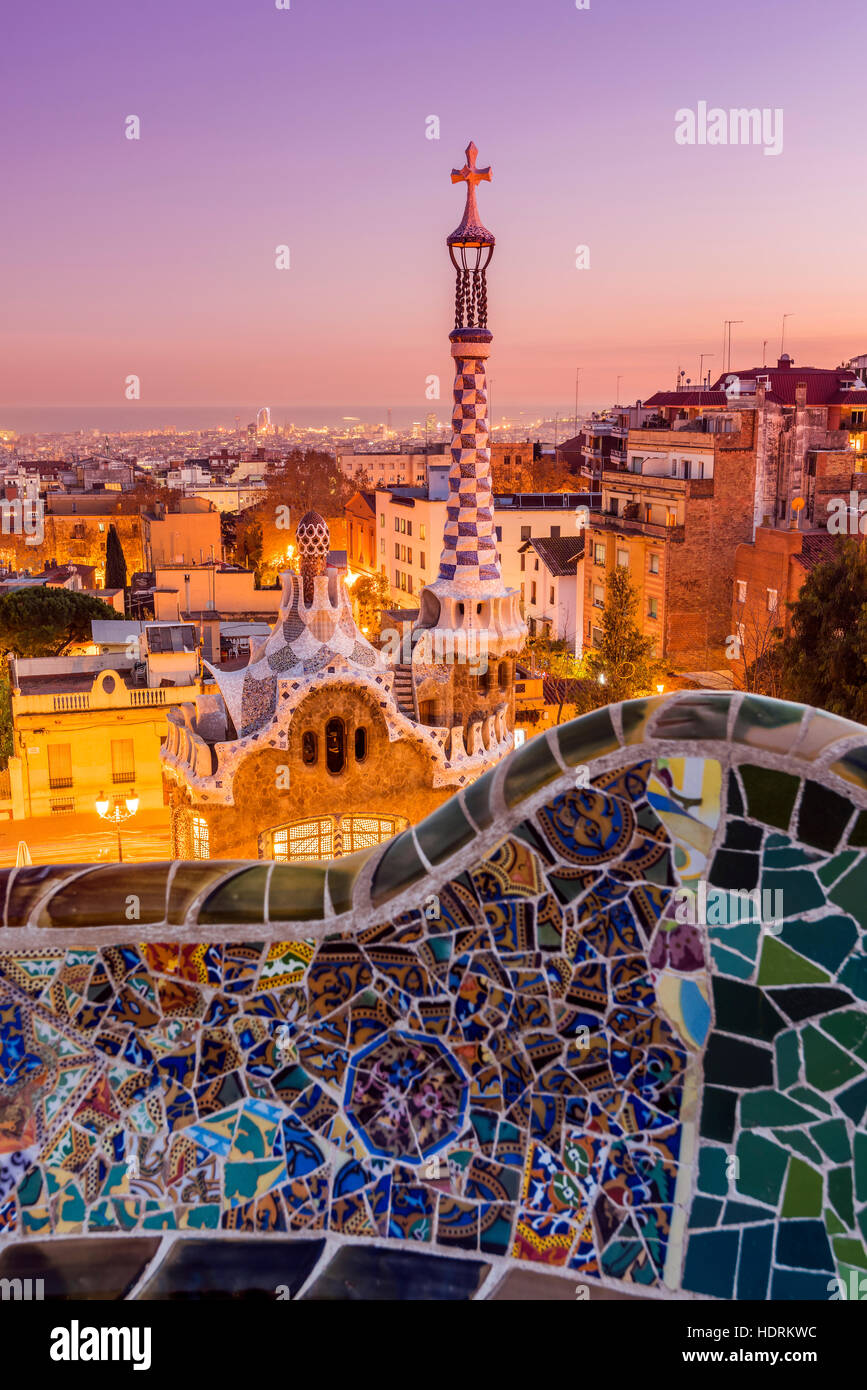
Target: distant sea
{"x":136,"y":416}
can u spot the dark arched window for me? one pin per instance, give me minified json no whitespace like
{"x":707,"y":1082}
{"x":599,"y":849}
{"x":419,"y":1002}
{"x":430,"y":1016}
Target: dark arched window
{"x":360,"y":745}
{"x":309,"y":750}
{"x":335,"y":745}
{"x":485,"y":681}
{"x":504,"y":673}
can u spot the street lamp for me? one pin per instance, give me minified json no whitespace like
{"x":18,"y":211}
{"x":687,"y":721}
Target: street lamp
{"x":659,"y":689}
{"x":116,"y":816}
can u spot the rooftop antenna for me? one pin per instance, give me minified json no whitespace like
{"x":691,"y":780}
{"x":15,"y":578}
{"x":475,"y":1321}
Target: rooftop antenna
{"x":701,"y":367}
{"x":764,"y":351}
{"x":728,"y":324}
{"x":577,"y":371}
{"x":617,"y":392}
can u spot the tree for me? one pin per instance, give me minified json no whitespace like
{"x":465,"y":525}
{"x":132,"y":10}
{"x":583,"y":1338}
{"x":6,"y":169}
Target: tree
{"x":248,"y":540}
{"x":115,"y":564}
{"x":44,"y":622}
{"x":370,"y":595}
{"x":824,"y":660}
{"x":624,"y":657}
{"x":6,"y":742}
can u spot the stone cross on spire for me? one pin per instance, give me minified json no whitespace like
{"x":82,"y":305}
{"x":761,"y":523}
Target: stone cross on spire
{"x":471,"y":228}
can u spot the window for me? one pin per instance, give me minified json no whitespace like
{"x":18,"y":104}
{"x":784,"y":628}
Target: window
{"x":623,"y":559}
{"x":598,"y":596}
{"x":382,"y":518}
{"x":533,"y":592}
{"x":599,"y":554}
{"x":422,"y":559}
{"x":403,"y":525}
{"x":335,"y":745}
{"x":422,"y":532}
{"x":397,"y":523}
{"x":397,"y":550}
{"x":382,"y":546}
{"x":671,"y":519}
{"x":60,"y":765}
{"x":507,"y":460}
{"x":122,"y":760}
{"x":596,"y":635}
{"x":654,"y":563}
{"x":409,"y":528}
{"x":403,"y":553}
{"x":653,"y":608}
{"x":551,"y":594}
{"x":199,"y":837}
{"x":519,"y":459}
{"x":503,"y":675}
{"x":742,"y":590}
{"x":409,"y":583}
{"x":499,"y":531}
{"x":525,"y":533}
{"x":555,"y":532}
{"x":309,"y":748}
{"x":360,"y":744}
{"x":523,"y":562}
{"x":306,"y":839}
{"x":360,"y":832}
{"x":772,"y":600}
{"x":409,"y":555}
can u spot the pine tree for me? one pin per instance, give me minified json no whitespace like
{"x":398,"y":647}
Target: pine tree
{"x":824,"y":660}
{"x":624,"y":657}
{"x":115,"y":564}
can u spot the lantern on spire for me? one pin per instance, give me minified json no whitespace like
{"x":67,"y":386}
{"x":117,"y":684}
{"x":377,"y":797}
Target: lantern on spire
{"x":471,"y":247}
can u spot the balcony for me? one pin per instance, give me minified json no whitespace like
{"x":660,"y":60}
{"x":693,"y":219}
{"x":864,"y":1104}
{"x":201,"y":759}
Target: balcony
{"x":634,"y":526}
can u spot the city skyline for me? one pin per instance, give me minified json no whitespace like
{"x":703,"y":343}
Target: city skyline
{"x":156,"y":257}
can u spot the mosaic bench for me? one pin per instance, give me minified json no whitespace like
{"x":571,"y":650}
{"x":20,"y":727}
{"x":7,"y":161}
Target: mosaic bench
{"x":599,"y":1020}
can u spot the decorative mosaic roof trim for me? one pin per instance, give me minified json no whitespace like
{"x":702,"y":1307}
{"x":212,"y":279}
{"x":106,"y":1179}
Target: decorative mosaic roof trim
{"x":493,"y":1047}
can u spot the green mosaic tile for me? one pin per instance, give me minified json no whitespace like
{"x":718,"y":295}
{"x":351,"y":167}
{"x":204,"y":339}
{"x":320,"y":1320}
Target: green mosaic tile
{"x":761,"y":1109}
{"x":782,"y":966}
{"x":342,"y":876}
{"x":740,"y":1213}
{"x":827,"y":940}
{"x":191,"y":881}
{"x":827,"y":1066}
{"x":444,"y":831}
{"x":822,"y":816}
{"x":718,"y":1114}
{"x":833,"y":1224}
{"x":811,"y":1098}
{"x":712,"y":1177}
{"x":477,"y":799}
{"x":853,"y":767}
{"x":797,"y":1140}
{"x":841,"y":1194}
{"x":858,"y":833}
{"x":637,"y":714}
{"x":528,"y":769}
{"x":101,"y":897}
{"x":296,"y":893}
{"x":587,"y":738}
{"x":761,"y":1168}
{"x":735,"y":804}
{"x":861,"y":1167}
{"x":693,"y":716}
{"x":771,"y":724}
{"x":788,"y":1059}
{"x":770,"y":794}
{"x":803,"y":1196}
{"x":239,"y":899}
{"x":849,"y":1028}
{"x":851,"y":892}
{"x":854,"y":976}
{"x":851,"y":1251}
{"x":833,"y":1138}
{"x":745,"y":1011}
{"x":797,"y":888}
{"x":704,"y":1212}
{"x":853,"y":1101}
{"x":398,"y":868}
{"x":731,"y":964}
{"x":743,"y":937}
{"x":832,"y":870}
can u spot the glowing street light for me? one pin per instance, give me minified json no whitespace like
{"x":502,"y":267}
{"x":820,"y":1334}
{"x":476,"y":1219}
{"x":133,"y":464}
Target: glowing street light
{"x":659,"y":689}
{"x":601,"y":677}
{"x":116,"y":816}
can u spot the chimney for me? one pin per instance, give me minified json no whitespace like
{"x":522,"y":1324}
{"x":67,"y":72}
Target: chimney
{"x":784,"y":362}
{"x":801,"y":395}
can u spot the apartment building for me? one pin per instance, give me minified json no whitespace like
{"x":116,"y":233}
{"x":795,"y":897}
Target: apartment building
{"x":768,"y":576}
{"x":673,"y":517}
{"x":552,"y":588}
{"x":410,"y":522}
{"x":84,"y":726}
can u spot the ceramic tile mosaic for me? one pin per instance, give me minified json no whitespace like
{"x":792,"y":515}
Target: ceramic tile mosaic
{"x":618,"y":1034}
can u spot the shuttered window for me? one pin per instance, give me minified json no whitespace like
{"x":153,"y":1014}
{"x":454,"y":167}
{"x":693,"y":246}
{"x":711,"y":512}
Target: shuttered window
{"x":122,"y":760}
{"x":59,"y":765}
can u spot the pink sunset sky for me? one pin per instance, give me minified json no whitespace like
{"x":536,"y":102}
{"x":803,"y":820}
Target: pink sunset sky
{"x":306,"y":127}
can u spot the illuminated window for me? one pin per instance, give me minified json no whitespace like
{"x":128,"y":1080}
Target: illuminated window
{"x":360,"y":832}
{"x":623,"y":559}
{"x":122,"y":760}
{"x":654,"y":564}
{"x":59,"y":765}
{"x":653,"y":608}
{"x":742,"y":590}
{"x":772,"y":600}
{"x":306,"y":839}
{"x":199,"y":837}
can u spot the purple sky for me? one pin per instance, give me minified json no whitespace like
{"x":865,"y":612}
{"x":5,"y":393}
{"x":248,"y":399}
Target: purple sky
{"x":307,"y":127}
